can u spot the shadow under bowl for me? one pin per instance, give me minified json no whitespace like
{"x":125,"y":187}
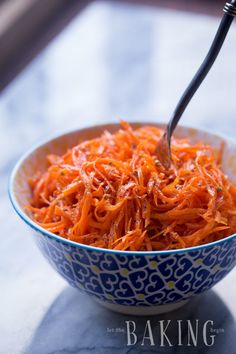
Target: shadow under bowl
{"x":137,"y":283}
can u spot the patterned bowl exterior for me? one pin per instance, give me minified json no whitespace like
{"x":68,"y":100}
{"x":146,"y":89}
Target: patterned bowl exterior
{"x":127,"y":278}
{"x":140,"y":280}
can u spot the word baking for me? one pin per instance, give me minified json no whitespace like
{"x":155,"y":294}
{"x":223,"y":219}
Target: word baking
{"x":169,"y":333}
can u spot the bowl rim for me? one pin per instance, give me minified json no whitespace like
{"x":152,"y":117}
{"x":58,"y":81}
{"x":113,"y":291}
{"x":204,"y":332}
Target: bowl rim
{"x":44,"y":232}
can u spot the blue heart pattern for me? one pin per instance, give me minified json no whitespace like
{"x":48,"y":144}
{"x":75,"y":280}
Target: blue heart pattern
{"x":140,"y":280}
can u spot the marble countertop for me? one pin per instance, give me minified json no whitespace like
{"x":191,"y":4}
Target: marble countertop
{"x":112,"y":62}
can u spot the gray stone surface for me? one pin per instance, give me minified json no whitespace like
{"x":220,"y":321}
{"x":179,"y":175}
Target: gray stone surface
{"x":111,"y":62}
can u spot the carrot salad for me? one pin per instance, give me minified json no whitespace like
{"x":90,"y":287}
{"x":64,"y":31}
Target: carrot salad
{"x":112,"y":192}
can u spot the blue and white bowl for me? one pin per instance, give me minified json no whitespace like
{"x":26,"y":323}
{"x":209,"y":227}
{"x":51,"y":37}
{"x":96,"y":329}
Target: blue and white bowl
{"x":140,"y":283}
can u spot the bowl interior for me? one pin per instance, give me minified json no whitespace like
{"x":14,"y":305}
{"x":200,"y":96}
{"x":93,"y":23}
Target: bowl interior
{"x":35,"y":160}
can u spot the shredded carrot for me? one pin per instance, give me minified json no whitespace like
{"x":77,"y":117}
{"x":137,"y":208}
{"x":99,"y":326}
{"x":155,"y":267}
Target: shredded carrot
{"x":112,"y":192}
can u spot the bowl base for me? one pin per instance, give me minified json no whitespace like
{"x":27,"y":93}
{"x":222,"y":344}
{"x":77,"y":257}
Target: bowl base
{"x":142,"y":310}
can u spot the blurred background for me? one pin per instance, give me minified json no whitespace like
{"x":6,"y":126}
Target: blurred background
{"x":67,"y":64}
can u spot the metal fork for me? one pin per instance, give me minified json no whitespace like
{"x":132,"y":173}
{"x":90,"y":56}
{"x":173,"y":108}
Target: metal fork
{"x":164,"y":145}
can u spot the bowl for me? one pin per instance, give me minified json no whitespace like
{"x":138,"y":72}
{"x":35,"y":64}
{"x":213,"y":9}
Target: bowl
{"x":138,"y":283}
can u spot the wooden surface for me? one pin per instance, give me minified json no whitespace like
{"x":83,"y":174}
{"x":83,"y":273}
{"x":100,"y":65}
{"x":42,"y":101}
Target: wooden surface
{"x":113,"y":61}
{"x":26,"y":27}
{"x":209,"y":7}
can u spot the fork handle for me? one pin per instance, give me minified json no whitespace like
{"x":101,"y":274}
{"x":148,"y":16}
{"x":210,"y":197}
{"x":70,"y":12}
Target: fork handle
{"x":229,"y":13}
{"x":230,"y":8}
